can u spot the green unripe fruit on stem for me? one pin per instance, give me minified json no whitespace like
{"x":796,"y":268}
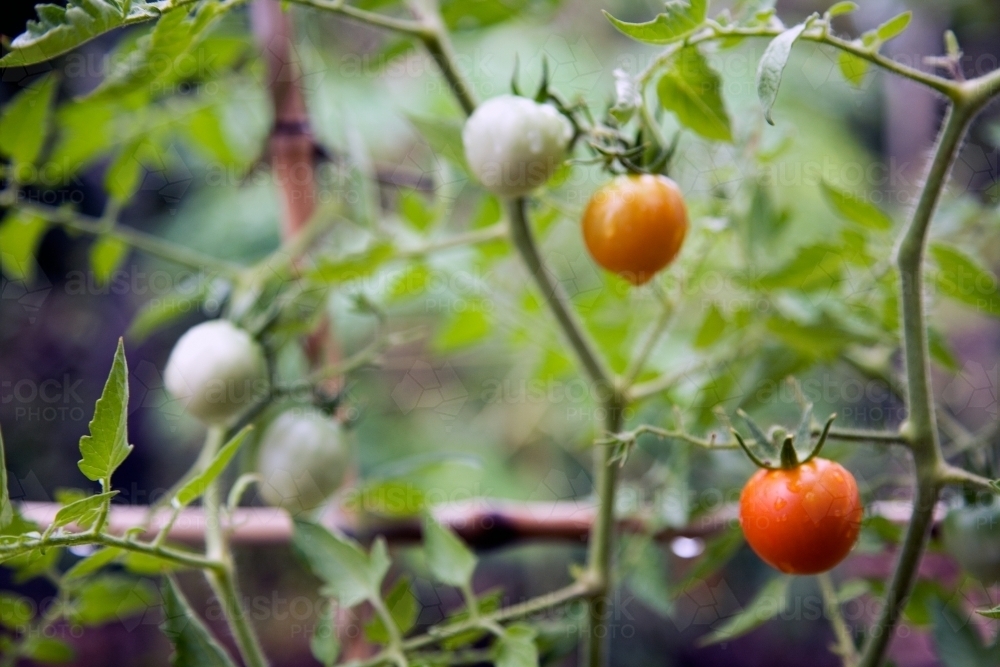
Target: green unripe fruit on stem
{"x":514,"y":144}
{"x":971,"y":535}
{"x":302,"y":460}
{"x":216,"y":370}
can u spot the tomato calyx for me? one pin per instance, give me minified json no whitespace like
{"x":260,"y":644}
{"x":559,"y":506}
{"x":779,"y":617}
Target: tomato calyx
{"x":778,"y":452}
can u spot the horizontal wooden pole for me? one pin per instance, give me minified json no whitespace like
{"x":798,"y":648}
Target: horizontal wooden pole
{"x":482,"y":523}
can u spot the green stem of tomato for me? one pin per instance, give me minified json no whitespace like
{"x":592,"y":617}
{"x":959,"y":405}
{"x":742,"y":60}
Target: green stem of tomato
{"x":222,"y":578}
{"x":921,"y":429}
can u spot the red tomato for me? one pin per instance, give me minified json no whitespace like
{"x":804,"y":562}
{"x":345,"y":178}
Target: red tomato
{"x":635,"y":225}
{"x":802,"y":520}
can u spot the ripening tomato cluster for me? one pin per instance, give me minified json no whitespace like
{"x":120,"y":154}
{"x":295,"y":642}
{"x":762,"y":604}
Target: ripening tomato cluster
{"x":217,"y":371}
{"x":633,"y":226}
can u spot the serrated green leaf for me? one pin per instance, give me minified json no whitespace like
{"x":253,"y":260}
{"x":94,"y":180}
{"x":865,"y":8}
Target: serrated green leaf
{"x":403,"y":607}
{"x":106,"y":256}
{"x":678,"y":20}
{"x":893,"y":27}
{"x":711,"y":329}
{"x":517,"y":647}
{"x":852,"y":67}
{"x":844,"y":7}
{"x":24,"y":122}
{"x":768,"y":603}
{"x":83,"y":512}
{"x":990,"y":613}
{"x":692,"y":90}
{"x":20,"y":233}
{"x":940,"y":350}
{"x":771,"y":66}
{"x":450,"y":561}
{"x":350,"y":575}
{"x":324,"y":643}
{"x":107,"y":446}
{"x":60,"y":29}
{"x":147,"y":564}
{"x":111,"y":597}
{"x":198,"y":484}
{"x":16,"y":611}
{"x":194,"y":646}
{"x":855,"y":208}
{"x":160,"y":56}
{"x":6,"y":509}
{"x":963,"y":279}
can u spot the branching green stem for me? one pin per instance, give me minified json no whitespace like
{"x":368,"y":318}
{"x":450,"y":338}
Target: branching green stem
{"x":222,"y":578}
{"x":819,"y":34}
{"x":921,"y":427}
{"x":844,"y":647}
{"x":148,"y":243}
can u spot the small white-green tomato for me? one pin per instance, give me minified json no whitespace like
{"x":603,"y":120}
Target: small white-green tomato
{"x":216,"y":370}
{"x":302,"y":459}
{"x":514,"y":144}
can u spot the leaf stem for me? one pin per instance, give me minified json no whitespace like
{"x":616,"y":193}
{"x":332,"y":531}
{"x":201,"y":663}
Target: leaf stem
{"x":844,"y":647}
{"x":147,"y":243}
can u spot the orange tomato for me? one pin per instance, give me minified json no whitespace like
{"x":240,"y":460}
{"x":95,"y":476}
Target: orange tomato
{"x":802,"y":520}
{"x":635,"y":225}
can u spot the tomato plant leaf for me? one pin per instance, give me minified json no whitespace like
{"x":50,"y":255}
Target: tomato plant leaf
{"x":83,"y":512}
{"x":450,"y":561}
{"x":718,"y":551}
{"x":107,"y":446}
{"x":843,"y":7}
{"x":855,"y":208}
{"x":106,"y":255}
{"x":60,"y":29}
{"x":111,"y":597}
{"x":852,"y":67}
{"x":678,"y":20}
{"x":403,"y":607}
{"x":957,"y":642}
{"x":769,"y":602}
{"x":692,"y":90}
{"x":16,"y":611}
{"x":893,"y":27}
{"x":194,"y":646}
{"x":6,"y":509}
{"x":20,"y":233}
{"x":47,"y":650}
{"x":159,"y":56}
{"x":24,"y":122}
{"x":324,"y":643}
{"x":352,"y":267}
{"x":963,"y":279}
{"x":771,"y":66}
{"x":350,"y":575}
{"x":646,"y":574}
{"x":517,"y":647}
{"x":711,"y":329}
{"x":92,"y":563}
{"x":197,"y":485}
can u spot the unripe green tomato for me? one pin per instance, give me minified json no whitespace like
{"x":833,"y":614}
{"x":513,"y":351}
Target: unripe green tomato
{"x":971,"y":535}
{"x":514,"y":144}
{"x":302,"y":459}
{"x":216,"y":370}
